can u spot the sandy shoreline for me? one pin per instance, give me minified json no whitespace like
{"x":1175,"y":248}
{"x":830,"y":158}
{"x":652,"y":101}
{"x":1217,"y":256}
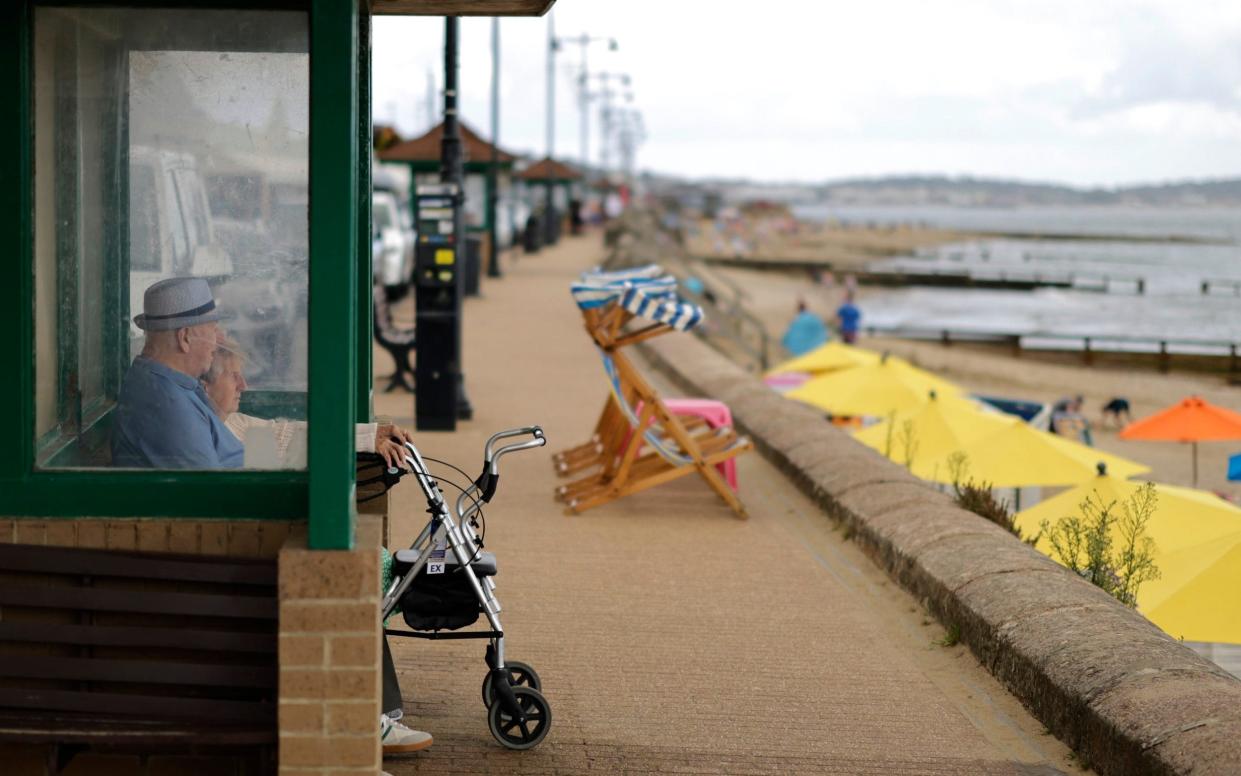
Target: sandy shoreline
{"x":773,"y":296}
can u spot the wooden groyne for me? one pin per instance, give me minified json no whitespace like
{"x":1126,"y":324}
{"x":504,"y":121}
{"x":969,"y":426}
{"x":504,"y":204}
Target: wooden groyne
{"x":1007,"y":280}
{"x":1164,"y":353}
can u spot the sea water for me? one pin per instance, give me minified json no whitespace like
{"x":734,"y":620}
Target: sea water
{"x":1172,"y":250}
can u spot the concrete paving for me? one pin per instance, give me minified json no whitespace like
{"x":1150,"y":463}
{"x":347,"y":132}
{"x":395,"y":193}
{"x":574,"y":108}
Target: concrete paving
{"x":670,"y":636}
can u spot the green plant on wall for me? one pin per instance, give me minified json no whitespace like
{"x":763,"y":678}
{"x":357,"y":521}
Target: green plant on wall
{"x":909,"y":442}
{"x":1107,"y":543}
{"x":979,"y":498}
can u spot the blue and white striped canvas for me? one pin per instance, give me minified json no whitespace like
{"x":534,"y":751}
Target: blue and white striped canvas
{"x":662,"y":308}
{"x":594,"y":293}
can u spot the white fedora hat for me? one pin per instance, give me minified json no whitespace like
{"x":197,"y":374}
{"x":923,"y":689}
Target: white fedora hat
{"x":176,"y":303}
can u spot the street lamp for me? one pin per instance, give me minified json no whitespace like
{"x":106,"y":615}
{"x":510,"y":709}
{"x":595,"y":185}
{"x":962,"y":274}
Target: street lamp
{"x":605,"y":112}
{"x":583,"y":41}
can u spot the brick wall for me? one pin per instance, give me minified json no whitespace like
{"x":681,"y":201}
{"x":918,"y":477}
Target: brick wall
{"x":329,"y":656}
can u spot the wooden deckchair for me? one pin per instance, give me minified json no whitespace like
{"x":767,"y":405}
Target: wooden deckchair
{"x":676,"y":448}
{"x":612,"y":429}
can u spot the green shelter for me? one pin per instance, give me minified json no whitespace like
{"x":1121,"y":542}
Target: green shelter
{"x":228,"y":141}
{"x":564,"y":180}
{"x":422,"y":156}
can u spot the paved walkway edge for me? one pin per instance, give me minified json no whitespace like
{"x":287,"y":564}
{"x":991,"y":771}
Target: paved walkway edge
{"x":1125,"y":696}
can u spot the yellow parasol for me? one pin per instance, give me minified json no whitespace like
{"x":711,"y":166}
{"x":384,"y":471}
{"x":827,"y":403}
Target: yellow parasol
{"x":828,"y":358}
{"x":889,"y":385}
{"x":1197,"y":538}
{"x":1021,"y":456}
{"x":1205,"y":606}
{"x":926,"y":435}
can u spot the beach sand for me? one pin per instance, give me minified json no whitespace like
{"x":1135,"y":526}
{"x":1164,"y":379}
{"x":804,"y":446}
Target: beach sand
{"x":841,"y":247}
{"x":773,"y":296}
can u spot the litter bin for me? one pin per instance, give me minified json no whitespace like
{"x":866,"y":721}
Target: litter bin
{"x":551,"y":226}
{"x":532,"y":238}
{"x":473,"y":263}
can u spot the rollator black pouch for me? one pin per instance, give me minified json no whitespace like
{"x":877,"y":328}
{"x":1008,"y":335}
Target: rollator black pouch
{"x":373,"y":479}
{"x":440,"y":602}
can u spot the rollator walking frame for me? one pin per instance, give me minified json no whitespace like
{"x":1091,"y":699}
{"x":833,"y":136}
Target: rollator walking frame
{"x":518,"y":714}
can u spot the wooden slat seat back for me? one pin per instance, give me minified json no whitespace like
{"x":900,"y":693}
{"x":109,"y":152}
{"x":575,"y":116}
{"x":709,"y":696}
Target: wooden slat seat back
{"x":146,"y":650}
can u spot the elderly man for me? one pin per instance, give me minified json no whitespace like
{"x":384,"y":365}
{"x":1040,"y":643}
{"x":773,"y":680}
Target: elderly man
{"x":164,"y":419}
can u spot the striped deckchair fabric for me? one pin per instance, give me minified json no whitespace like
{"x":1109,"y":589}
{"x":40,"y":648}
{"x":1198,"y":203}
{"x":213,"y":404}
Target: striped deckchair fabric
{"x":590,"y":294}
{"x":638,"y":443}
{"x":678,"y":315}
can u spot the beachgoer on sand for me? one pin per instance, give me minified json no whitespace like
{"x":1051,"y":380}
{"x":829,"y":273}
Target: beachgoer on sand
{"x":848,"y":319}
{"x":805,"y":333}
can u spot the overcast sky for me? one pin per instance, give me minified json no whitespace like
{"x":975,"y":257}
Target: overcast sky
{"x":1093,"y":92}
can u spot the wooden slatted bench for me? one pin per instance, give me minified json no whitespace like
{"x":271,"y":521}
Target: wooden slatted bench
{"x":145,"y":653}
{"x":398,"y":342}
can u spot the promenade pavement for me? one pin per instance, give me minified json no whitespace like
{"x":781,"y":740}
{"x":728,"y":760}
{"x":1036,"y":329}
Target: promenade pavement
{"x":670,"y":636}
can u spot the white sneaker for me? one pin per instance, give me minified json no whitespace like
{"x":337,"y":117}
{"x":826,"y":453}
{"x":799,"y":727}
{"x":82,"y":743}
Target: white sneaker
{"x":398,"y":739}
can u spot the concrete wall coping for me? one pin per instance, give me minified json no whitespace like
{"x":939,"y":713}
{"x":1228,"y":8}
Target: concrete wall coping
{"x":1122,"y":693}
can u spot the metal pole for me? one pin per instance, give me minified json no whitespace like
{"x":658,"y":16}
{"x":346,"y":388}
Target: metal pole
{"x":548,"y":231}
{"x":585,"y":99}
{"x":605,"y":126}
{"x":452,"y":170}
{"x":493,"y":177}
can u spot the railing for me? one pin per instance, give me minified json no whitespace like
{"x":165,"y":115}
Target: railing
{"x":1100,"y":282}
{"x":1230,"y":283}
{"x":741,"y":328}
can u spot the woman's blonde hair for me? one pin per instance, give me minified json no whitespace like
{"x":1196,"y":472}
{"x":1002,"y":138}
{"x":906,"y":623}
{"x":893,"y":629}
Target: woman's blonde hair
{"x":228,"y":348}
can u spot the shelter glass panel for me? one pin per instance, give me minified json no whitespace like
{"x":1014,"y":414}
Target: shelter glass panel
{"x":171,"y":196}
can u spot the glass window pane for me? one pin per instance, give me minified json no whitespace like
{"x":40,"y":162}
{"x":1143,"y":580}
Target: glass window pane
{"x":171,"y":237}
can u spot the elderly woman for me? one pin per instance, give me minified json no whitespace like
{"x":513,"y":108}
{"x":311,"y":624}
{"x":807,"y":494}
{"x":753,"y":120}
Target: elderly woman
{"x":224,"y":383}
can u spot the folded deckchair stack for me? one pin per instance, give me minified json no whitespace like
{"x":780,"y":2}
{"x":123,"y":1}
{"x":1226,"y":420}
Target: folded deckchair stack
{"x":638,"y":443}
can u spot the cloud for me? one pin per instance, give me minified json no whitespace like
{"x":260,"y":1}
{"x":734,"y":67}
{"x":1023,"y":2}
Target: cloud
{"x":1162,"y":65}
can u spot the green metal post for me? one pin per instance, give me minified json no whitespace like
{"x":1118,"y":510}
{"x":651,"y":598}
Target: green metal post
{"x":17,"y":422}
{"x":365,"y":313}
{"x":334,"y":184}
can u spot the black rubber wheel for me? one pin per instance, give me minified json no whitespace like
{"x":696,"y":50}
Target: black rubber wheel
{"x":519,"y":675}
{"x":527,"y":733}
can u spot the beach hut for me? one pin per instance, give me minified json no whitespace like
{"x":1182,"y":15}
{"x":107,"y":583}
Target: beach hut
{"x":564,"y":182}
{"x":174,"y":608}
{"x":422,"y":156}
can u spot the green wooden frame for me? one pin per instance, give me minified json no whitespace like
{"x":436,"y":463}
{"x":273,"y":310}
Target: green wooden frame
{"x":339,"y":121}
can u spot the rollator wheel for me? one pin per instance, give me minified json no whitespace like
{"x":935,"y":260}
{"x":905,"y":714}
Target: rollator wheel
{"x":524,"y":734}
{"x":519,"y":675}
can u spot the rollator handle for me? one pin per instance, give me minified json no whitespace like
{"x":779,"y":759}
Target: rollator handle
{"x":490,"y":478}
{"x":489,"y":452}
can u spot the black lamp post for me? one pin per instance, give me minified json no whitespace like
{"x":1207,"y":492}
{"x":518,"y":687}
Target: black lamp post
{"x":439,"y":263}
{"x":493,"y":177}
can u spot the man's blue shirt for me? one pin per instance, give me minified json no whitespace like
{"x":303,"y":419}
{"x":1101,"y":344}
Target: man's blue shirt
{"x":164,"y":421}
{"x":850,"y":316}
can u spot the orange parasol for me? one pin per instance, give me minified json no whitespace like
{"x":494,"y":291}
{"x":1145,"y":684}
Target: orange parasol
{"x":1193,"y":420}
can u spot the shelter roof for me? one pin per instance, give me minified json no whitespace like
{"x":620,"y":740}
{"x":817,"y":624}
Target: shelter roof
{"x":549,"y":169}
{"x":461,"y":7}
{"x":427,"y":148}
